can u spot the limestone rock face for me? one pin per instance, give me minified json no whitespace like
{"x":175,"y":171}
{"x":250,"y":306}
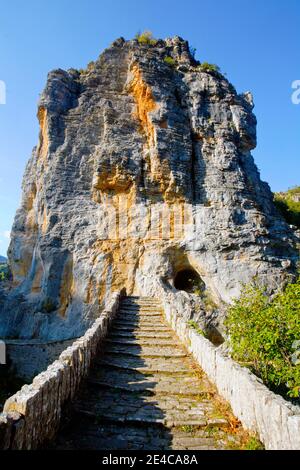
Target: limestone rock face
{"x":143,"y":168}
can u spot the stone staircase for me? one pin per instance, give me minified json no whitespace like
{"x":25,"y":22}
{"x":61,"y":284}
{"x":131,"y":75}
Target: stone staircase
{"x":146,"y":392}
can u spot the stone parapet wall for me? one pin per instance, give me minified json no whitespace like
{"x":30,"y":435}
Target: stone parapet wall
{"x":276,"y":421}
{"x":32,"y":415}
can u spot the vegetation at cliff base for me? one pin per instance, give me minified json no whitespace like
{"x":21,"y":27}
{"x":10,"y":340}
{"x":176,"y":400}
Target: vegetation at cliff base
{"x":288,"y":204}
{"x":264,"y":335}
{"x":253,"y":443}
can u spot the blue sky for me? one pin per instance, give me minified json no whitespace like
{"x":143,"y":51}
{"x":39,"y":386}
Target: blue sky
{"x":255,"y":42}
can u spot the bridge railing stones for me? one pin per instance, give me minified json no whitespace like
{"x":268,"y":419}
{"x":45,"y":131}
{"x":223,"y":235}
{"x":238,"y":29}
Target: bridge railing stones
{"x":276,"y":421}
{"x":32,"y":416}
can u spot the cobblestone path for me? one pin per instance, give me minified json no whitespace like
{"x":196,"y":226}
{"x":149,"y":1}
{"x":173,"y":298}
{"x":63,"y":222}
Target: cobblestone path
{"x":146,"y":392}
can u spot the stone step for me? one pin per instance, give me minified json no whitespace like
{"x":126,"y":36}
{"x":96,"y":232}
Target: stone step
{"x":134,"y":306}
{"x":88,"y":434}
{"x":144,"y":351}
{"x":148,"y":365}
{"x":152,"y":383}
{"x":139,"y":327}
{"x":141,"y":313}
{"x":194,"y":443}
{"x":147,"y":390}
{"x":116,"y":406}
{"x":137,"y":320}
{"x":138,"y":330}
{"x":157,"y":319}
{"x":135,"y":335}
{"x":140,"y":316}
{"x":141,"y":418}
{"x":138,"y":308}
{"x":125,"y":297}
{"x":144,"y":341}
{"x":133,"y":298}
{"x":138,"y":303}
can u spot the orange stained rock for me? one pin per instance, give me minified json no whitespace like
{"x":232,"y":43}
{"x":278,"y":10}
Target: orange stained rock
{"x":116,"y":270}
{"x":159,"y":168}
{"x":45,"y":222}
{"x":44,"y":139}
{"x":144,"y":103}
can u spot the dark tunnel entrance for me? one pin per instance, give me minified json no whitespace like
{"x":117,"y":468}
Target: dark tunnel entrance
{"x":189,"y":281}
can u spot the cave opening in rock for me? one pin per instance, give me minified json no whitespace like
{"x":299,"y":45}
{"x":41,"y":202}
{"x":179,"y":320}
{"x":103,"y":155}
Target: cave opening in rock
{"x":189,"y":281}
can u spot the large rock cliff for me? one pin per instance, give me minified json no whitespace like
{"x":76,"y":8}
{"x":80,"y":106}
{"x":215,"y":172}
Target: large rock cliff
{"x":143,"y":169}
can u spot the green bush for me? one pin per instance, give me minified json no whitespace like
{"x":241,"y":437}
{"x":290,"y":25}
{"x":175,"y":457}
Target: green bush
{"x":206,"y":67}
{"x":193,"y":324}
{"x":170,"y":61}
{"x":4,"y":272}
{"x":146,"y":38}
{"x":264,"y":334}
{"x":289,"y":208}
{"x":253,"y":443}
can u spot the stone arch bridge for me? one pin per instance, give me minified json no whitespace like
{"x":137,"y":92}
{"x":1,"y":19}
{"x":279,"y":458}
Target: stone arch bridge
{"x":143,"y":378}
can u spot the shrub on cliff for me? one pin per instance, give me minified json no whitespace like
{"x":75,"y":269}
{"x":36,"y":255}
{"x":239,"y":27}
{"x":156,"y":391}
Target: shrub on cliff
{"x":264,"y":334}
{"x":169,"y":61}
{"x":146,"y":38}
{"x":206,"y":67}
{"x":289,"y":205}
{"x":4,"y":272}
